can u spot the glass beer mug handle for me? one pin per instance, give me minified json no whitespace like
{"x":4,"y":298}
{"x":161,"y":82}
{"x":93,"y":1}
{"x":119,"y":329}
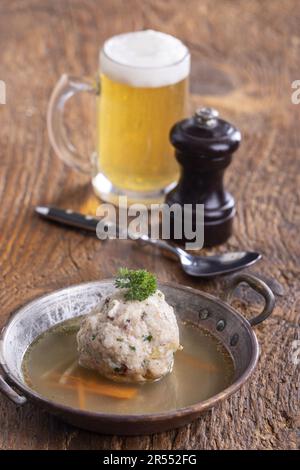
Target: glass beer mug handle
{"x":65,"y":88}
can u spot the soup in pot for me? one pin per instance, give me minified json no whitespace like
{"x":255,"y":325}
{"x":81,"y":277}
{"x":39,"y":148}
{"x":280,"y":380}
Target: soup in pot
{"x":202,"y":369}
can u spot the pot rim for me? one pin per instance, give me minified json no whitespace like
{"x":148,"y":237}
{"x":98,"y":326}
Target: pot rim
{"x":194,"y":409}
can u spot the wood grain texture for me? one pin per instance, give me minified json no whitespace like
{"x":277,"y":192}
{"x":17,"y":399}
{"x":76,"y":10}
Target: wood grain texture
{"x":245,"y":56}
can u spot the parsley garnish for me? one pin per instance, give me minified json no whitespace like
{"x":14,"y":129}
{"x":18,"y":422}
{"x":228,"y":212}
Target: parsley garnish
{"x":148,"y":338}
{"x":139,"y":283}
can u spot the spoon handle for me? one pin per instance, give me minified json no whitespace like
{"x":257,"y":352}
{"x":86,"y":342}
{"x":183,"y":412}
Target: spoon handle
{"x":161,"y":244}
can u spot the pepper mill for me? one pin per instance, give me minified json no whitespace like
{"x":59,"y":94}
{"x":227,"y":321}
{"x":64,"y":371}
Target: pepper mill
{"x":204,"y":145}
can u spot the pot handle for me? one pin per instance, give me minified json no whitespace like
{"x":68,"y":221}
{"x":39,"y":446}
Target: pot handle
{"x":10,"y":393}
{"x":259,"y":286}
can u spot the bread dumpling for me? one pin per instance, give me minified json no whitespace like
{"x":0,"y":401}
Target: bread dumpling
{"x":130,"y":340}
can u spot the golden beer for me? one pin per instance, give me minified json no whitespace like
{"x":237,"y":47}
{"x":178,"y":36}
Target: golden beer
{"x":133,"y":133}
{"x":143,"y":83}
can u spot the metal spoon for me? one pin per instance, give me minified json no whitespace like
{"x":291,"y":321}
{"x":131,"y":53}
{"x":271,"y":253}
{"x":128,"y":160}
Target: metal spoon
{"x":206,"y":266}
{"x":194,"y":265}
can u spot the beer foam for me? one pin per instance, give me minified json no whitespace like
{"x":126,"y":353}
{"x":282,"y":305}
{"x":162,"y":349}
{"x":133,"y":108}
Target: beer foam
{"x":145,"y":59}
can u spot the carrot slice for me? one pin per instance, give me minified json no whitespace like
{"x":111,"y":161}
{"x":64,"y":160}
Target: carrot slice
{"x":56,"y":368}
{"x":112,"y":391}
{"x":196,"y":362}
{"x":81,"y":396}
{"x":104,"y":388}
{"x":98,"y":388}
{"x":67,"y":373}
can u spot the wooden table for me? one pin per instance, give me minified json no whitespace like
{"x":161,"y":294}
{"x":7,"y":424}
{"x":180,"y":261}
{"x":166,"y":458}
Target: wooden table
{"x":245,"y":56}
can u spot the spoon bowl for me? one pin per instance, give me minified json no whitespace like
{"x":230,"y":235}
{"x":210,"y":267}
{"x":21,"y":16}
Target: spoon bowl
{"x":207,"y":266}
{"x":211,"y":266}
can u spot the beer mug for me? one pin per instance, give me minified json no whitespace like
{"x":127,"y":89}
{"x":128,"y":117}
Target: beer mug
{"x":141,"y":91}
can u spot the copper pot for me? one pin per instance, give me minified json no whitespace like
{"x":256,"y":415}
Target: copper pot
{"x":204,"y":310}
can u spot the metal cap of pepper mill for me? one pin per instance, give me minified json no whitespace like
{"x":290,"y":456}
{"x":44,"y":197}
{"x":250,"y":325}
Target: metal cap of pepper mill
{"x":204,"y":145}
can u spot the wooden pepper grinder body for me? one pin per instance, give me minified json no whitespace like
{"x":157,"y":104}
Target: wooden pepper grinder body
{"x":204,"y":145}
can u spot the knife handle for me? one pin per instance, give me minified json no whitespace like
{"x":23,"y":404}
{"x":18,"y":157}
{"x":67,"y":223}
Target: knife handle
{"x":70,"y":218}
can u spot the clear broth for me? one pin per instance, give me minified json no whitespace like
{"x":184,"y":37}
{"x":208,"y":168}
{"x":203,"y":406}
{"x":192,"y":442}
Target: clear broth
{"x":203,"y":369}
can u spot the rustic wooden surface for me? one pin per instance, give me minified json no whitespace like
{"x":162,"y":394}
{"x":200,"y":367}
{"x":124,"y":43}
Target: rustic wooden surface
{"x":245,"y":56}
